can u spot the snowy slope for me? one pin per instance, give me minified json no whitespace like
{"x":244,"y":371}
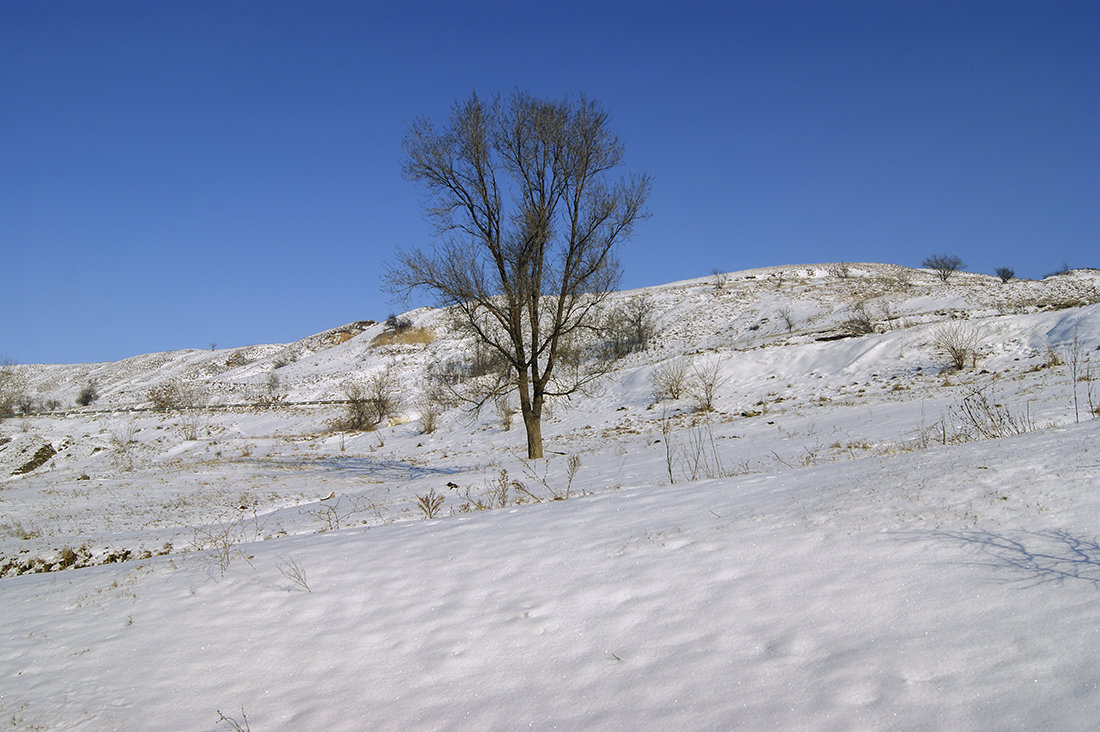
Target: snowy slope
{"x":833,"y":548}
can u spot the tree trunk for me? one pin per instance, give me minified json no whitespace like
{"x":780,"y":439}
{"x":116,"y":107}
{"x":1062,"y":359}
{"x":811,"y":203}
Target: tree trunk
{"x":532,"y":420}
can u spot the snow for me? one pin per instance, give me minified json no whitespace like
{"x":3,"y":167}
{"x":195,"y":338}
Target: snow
{"x":844,"y":559}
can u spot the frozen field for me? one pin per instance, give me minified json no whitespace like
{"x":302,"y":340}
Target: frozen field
{"x":855,"y":537}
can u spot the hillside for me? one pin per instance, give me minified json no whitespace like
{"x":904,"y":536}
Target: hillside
{"x":856,"y":536}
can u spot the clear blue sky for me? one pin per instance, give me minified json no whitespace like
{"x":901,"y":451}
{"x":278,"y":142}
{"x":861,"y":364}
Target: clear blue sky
{"x":174,"y":174}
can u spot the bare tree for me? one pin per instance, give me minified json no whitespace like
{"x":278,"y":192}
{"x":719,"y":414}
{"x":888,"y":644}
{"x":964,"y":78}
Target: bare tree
{"x":630,"y":326}
{"x":944,"y":264}
{"x":527,"y":217}
{"x":1005,"y":273}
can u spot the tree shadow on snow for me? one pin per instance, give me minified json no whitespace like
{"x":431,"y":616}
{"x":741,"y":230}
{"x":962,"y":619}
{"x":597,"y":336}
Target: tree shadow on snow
{"x":1041,"y":557}
{"x":381,"y":470}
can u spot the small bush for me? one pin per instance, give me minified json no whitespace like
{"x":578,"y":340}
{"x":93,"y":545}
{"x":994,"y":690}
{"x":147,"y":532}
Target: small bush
{"x":979,"y":416}
{"x":860,"y":323}
{"x":1005,"y":273}
{"x":87,"y":395}
{"x":788,"y":317}
{"x":959,"y":343}
{"x":172,"y":395}
{"x":370,"y":403}
{"x":669,"y":379}
{"x":395,"y":324}
{"x":430,"y":503}
{"x":703,"y":384}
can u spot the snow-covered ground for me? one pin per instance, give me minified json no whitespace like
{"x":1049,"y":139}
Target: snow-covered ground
{"x":836,"y":546}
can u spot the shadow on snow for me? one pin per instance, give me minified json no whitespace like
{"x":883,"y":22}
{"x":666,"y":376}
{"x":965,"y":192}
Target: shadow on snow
{"x":1039,"y":557}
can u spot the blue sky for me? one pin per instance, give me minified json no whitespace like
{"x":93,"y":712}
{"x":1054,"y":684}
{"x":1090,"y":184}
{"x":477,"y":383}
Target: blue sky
{"x":176,"y":174}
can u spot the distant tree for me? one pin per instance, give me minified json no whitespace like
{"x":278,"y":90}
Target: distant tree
{"x":630,"y":326}
{"x":527,"y":216}
{"x":944,"y":264}
{"x":1005,"y":273}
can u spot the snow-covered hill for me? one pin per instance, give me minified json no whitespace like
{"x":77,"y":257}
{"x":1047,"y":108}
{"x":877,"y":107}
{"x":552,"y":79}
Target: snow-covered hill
{"x":838,"y":545}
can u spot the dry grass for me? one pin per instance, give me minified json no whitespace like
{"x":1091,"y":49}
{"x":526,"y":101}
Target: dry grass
{"x":406,"y":337}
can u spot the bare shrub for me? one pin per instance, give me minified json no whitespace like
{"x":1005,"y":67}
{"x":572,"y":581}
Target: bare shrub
{"x":959,"y":343}
{"x":860,"y":322}
{"x":233,"y":724}
{"x":787,"y":316}
{"x":1005,"y":273}
{"x":369,"y":403}
{"x":430,"y":503}
{"x":171,"y":395}
{"x":123,"y":440}
{"x":220,"y":541}
{"x":704,"y":382}
{"x":189,"y":424}
{"x":429,"y":407}
{"x":944,"y":265}
{"x":556,"y":493}
{"x":669,"y":379}
{"x":721,"y":279}
{"x":701,"y":456}
{"x":506,"y":411}
{"x":272,"y":393}
{"x":979,"y":416}
{"x":337,"y":512}
{"x":295,"y":572}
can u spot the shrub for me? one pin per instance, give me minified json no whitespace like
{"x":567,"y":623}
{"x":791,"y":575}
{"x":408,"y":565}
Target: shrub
{"x":396,"y":325}
{"x":944,"y":264}
{"x":860,"y":322}
{"x":87,"y":395}
{"x":668,"y":379}
{"x":430,"y":503}
{"x":1005,"y":273}
{"x":959,"y":343}
{"x":787,"y":316}
{"x":430,"y":407}
{"x":171,"y":395}
{"x":978,"y":416}
{"x":703,"y":384}
{"x":370,"y":403}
